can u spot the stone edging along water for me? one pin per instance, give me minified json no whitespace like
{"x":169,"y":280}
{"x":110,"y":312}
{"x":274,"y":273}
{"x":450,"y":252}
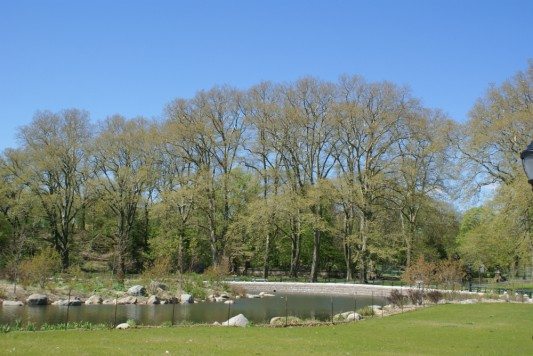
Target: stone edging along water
{"x":316,"y":288}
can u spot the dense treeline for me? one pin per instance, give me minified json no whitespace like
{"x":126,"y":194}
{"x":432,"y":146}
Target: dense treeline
{"x":304,"y":177}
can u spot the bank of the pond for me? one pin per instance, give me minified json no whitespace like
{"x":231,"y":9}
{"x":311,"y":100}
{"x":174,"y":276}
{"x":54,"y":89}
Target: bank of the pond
{"x":502,"y":329}
{"x":339,"y":289}
{"x":257,"y":310}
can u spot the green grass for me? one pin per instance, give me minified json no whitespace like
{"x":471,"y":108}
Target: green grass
{"x":447,"y":329}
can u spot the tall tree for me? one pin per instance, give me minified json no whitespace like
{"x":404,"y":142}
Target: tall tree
{"x":370,"y":123}
{"x":123,"y":165}
{"x":54,"y":145}
{"x":211,"y":131}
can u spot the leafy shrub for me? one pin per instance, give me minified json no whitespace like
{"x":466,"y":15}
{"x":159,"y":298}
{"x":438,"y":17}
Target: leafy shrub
{"x":39,"y":268}
{"x":449,"y":273}
{"x":237,"y":290}
{"x":434,"y":296}
{"x":132,"y":323}
{"x":420,"y":271}
{"x":217,"y":272}
{"x":366,"y":311}
{"x":161,"y":267}
{"x":397,"y":298}
{"x":416,"y":296}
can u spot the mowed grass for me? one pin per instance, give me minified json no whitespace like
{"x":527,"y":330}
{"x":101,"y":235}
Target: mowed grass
{"x":498,"y":329}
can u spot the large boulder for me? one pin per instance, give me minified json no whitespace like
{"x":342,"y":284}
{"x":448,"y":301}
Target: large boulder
{"x":348,"y":316}
{"x":123,"y":326}
{"x":127,"y":300}
{"x":74,"y":302}
{"x":12,"y":303}
{"x":37,"y":299}
{"x":94,"y":299}
{"x":137,"y":291}
{"x":238,"y":320}
{"x":353,"y":317}
{"x":186,"y":298}
{"x":153,"y":300}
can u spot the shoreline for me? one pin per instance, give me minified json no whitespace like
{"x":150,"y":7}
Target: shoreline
{"x":340,"y":289}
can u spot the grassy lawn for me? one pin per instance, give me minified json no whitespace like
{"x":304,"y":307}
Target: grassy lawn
{"x":446,"y":329}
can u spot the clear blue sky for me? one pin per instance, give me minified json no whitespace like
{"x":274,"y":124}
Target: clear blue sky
{"x":133,"y":57}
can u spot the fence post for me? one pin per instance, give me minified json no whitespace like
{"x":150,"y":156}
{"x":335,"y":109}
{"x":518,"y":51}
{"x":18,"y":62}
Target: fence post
{"x":115,"y":318}
{"x":382,"y":303}
{"x":372,"y":303}
{"x":229,"y":312}
{"x":68,"y":306}
{"x":173,"y":311}
{"x":286,"y":311}
{"x":332,"y":310}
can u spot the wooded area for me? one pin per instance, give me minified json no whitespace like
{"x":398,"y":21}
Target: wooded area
{"x":308,"y":176}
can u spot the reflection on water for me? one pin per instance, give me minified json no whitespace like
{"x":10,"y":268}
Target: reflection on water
{"x":256,"y":310}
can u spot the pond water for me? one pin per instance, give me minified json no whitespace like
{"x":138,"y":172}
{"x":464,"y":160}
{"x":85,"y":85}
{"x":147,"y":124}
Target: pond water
{"x":256,"y":310}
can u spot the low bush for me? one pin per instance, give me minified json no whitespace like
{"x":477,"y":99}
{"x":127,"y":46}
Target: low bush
{"x":434,"y":296}
{"x":397,"y":298}
{"x":416,"y":296}
{"x":366,"y":311}
{"x":39,"y":268}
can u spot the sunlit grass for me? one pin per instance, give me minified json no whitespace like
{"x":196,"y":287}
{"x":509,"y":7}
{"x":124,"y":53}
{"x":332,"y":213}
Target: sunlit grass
{"x":446,"y":329}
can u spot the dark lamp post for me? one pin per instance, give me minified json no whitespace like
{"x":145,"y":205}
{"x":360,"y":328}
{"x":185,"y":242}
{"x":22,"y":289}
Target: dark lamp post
{"x":527,"y":162}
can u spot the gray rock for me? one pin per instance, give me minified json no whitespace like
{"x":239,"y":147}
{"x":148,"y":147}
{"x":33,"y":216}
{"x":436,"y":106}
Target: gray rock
{"x":238,"y":320}
{"x":137,"y":291}
{"x":123,"y":326}
{"x":75,"y":302}
{"x":216,"y":323}
{"x":153,"y":300}
{"x":353,"y":317}
{"x":253,"y":296}
{"x":94,"y":299}
{"x":186,"y":298}
{"x":229,"y":301}
{"x":12,"y":303}
{"x":109,"y":301}
{"x":127,"y":300}
{"x":37,"y":299}
{"x":263,"y":294}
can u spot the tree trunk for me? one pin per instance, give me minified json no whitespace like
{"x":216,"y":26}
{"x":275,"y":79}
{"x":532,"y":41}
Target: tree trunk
{"x":295,"y":250}
{"x":64,"y":259}
{"x":363,"y":256}
{"x":266,"y":257}
{"x":316,"y":257}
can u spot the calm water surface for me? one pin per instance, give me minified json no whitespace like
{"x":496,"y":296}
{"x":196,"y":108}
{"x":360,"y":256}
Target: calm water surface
{"x":256,"y":310}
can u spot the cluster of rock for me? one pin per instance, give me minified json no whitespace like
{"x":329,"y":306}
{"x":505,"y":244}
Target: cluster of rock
{"x":135,"y":295}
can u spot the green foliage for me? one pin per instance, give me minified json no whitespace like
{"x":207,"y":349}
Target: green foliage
{"x":366,"y":311}
{"x":41,"y":267}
